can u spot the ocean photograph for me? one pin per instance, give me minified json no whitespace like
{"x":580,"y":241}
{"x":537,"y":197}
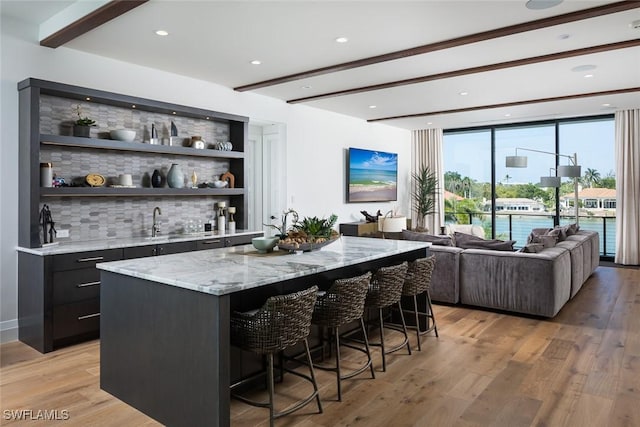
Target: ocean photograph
{"x":373,"y":176}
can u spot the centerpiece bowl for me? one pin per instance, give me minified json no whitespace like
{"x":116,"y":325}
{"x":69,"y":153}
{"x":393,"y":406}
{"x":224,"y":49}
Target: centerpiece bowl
{"x":264,"y":244}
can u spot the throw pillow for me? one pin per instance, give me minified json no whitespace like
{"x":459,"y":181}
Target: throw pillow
{"x":533,"y":248}
{"x":572,"y":229}
{"x":547,"y":241}
{"x":537,"y":232}
{"x":467,"y":241}
{"x":558,"y":234}
{"x":425,"y":237}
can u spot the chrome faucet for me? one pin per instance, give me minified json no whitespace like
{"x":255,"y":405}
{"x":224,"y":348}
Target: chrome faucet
{"x":156,"y":226}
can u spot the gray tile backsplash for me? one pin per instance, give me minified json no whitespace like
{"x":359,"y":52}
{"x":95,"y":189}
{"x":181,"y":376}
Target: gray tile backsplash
{"x":91,"y":218}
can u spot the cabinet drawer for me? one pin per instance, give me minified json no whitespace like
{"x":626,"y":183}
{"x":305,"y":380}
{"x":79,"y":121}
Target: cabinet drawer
{"x":212,"y":243}
{"x":77,"y":318}
{"x":240,"y":240}
{"x":139,"y":251}
{"x":75,"y":285}
{"x":176,"y":248}
{"x":77,"y":261}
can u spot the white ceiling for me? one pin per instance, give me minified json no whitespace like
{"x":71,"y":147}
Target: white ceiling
{"x":216,"y":40}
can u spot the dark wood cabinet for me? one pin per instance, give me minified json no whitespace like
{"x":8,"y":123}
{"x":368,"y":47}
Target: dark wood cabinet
{"x":159,"y":249}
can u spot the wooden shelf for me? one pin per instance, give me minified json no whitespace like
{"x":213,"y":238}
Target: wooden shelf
{"x":137,"y":192}
{"x":109,"y":144}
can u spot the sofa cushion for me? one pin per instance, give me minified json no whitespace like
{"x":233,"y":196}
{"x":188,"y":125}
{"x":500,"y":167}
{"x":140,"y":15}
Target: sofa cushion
{"x":546,"y":240}
{"x":533,"y":248}
{"x":467,"y":241}
{"x":426,"y":237}
{"x":536,"y":232}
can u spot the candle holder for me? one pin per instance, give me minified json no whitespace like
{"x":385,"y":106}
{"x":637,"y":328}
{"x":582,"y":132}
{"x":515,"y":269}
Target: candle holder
{"x":232,"y":221}
{"x":221,"y":218}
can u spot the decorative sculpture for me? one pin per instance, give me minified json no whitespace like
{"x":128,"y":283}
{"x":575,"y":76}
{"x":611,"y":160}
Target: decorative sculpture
{"x":228,"y":176}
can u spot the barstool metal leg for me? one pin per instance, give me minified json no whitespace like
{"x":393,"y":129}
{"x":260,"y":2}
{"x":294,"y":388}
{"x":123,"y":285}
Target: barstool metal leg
{"x":384,"y":361}
{"x":313,"y":375}
{"x":338,"y":373}
{"x":270,"y":382}
{"x":366,"y":346}
{"x":432,"y":316}
{"x":415,"y":311}
{"x":404,"y":328}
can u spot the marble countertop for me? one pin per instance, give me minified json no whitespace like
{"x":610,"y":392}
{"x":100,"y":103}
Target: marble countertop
{"x":116,"y":243}
{"x":232,"y":269}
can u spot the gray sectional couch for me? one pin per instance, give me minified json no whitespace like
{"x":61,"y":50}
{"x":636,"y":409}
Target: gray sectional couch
{"x":531,"y":283}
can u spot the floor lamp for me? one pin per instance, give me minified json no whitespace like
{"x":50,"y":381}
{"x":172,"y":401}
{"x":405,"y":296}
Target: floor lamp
{"x":572,"y":170}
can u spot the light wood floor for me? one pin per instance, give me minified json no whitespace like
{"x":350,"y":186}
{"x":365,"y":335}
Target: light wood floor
{"x":581,"y":368}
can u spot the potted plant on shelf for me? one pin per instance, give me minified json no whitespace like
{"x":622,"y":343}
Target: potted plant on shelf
{"x":425,"y":185}
{"x":82,"y":126}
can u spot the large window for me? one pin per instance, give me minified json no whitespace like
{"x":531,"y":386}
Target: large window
{"x":509,"y":202}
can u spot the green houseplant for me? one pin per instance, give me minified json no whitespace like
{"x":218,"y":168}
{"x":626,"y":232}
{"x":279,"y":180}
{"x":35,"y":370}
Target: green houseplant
{"x":423,"y":195}
{"x":82,"y":125}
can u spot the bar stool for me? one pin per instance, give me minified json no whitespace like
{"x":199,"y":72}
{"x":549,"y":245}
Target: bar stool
{"x":343,"y":303}
{"x":418,"y":281}
{"x":282,"y":322}
{"x":385,"y":290}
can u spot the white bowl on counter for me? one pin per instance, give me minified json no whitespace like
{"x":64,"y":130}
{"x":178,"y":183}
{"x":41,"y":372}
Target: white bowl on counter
{"x":122,"y":135}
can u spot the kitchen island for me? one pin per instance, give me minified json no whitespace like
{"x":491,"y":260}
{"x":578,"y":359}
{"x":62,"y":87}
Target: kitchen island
{"x":165,"y":346}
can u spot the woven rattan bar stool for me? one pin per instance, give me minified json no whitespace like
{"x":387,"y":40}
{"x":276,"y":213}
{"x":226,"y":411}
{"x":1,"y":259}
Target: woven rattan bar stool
{"x":417,"y":282}
{"x":342,"y":304}
{"x":385,"y":290}
{"x":281,"y":322}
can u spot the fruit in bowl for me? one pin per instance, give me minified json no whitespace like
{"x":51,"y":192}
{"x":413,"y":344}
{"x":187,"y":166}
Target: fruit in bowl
{"x":122,"y":135}
{"x":264,"y":244}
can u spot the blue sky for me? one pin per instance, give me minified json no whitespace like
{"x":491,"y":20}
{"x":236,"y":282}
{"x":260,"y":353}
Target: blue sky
{"x":469,"y":153}
{"x":379,"y":160}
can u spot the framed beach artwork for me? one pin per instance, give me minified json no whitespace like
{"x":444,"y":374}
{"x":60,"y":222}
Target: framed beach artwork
{"x":372,"y":176}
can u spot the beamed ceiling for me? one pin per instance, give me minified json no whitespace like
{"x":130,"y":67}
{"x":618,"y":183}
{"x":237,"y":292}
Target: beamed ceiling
{"x":410,"y":64}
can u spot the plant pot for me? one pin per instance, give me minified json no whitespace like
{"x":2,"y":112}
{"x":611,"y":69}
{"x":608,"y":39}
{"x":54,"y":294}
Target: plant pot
{"x":82,"y":131}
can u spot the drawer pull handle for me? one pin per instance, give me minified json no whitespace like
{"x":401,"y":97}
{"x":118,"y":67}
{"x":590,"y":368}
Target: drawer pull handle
{"x":210,"y":242}
{"x":84,"y":285}
{"x":88,"y":316}
{"x":95,"y":258}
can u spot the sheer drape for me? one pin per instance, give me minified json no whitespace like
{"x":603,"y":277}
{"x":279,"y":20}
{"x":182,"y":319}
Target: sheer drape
{"x":426,"y":149}
{"x":628,"y":187}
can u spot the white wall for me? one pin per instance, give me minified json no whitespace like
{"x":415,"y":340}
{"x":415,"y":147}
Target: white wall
{"x":316,"y":139}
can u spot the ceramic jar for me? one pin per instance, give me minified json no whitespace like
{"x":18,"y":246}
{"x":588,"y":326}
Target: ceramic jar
{"x":175,"y":178}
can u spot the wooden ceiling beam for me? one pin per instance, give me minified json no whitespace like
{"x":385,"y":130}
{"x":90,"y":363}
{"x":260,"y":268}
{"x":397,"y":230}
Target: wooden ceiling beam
{"x":510,"y":104}
{"x":447,"y":44}
{"x":93,"y":20}
{"x":474,"y":70}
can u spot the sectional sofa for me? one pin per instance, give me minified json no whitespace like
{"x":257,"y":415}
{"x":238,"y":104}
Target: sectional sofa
{"x":531,"y":283}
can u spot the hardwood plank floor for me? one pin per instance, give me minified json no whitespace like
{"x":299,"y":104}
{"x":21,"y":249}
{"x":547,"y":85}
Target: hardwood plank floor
{"x":581,"y":368}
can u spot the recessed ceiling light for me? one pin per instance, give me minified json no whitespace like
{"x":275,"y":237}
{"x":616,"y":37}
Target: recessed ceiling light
{"x":564,"y":36}
{"x":429,"y":123}
{"x":542,"y":4}
{"x":464,"y":93}
{"x":342,"y":40}
{"x":583,"y":68}
{"x":88,"y":98}
{"x":305,"y":87}
{"x":508,"y":115}
{"x":256,"y":62}
{"x":606,"y":105}
{"x":162,"y":33}
{"x":588,"y":76}
{"x":373,"y":106}
{"x":133,"y":106}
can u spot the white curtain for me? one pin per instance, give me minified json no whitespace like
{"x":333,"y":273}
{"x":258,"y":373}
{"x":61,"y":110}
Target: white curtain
{"x":426,"y":149}
{"x":628,"y":187}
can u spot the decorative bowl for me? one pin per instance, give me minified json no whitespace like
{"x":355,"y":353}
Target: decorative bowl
{"x":306,"y":246}
{"x":264,"y":244}
{"x":122,"y":134}
{"x":219,"y":184}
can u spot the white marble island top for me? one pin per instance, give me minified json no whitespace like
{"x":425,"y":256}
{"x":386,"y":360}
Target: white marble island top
{"x":232,"y":269}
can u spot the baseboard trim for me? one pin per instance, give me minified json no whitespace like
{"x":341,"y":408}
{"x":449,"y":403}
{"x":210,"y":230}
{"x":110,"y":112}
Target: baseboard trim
{"x":8,"y":330}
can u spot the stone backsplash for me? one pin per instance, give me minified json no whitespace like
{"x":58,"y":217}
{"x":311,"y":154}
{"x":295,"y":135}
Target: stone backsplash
{"x":58,"y":114}
{"x":93,"y":218}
